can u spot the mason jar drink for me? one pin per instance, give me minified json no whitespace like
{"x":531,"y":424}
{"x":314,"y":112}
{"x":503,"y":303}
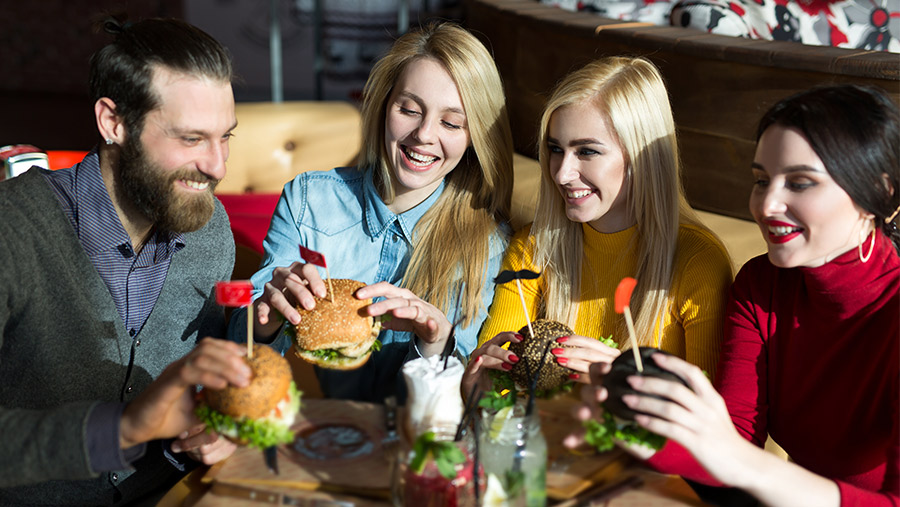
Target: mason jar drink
{"x":438,"y":471}
{"x":513,"y":452}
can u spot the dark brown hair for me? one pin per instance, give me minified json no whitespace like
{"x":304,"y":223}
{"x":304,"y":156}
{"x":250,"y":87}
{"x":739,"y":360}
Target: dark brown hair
{"x":855,"y":131}
{"x":123,"y":69}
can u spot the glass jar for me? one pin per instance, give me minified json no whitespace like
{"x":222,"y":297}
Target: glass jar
{"x":513,"y":452}
{"x":428,"y":486}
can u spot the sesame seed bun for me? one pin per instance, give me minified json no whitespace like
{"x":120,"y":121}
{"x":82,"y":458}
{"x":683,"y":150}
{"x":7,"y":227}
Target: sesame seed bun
{"x":271,"y":377}
{"x":340,"y":325}
{"x":531,"y":351}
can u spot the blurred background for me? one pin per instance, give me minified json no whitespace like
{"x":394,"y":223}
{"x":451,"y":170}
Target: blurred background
{"x":327,"y":48}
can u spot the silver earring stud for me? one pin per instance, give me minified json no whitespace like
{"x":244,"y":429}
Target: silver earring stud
{"x":109,"y":141}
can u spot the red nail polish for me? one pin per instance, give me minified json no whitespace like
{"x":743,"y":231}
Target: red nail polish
{"x":506,"y":366}
{"x":562,"y":360}
{"x":574,"y":376}
{"x":519,"y":337}
{"x":557,"y":351}
{"x":562,"y":339}
{"x":513,"y":358}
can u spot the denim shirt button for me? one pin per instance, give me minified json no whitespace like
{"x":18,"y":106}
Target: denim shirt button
{"x":396,"y":238}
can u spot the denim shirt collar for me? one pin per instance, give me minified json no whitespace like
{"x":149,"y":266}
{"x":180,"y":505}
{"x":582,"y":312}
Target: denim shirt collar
{"x":379,"y":218}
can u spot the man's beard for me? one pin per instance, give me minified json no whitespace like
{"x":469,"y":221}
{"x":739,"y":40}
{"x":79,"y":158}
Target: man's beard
{"x":151,"y":190}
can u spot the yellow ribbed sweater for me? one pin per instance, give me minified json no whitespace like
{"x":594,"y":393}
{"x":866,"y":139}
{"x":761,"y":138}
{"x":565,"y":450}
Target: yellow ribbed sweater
{"x":692,"y":325}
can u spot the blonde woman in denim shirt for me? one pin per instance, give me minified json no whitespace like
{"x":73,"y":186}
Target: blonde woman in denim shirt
{"x":421,"y":219}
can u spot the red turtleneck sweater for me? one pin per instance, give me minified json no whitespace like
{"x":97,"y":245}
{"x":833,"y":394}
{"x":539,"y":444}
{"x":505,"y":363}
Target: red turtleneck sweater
{"x":811,"y":357}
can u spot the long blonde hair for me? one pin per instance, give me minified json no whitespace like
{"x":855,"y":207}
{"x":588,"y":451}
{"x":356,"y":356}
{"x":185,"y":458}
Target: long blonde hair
{"x":451,"y":244}
{"x":631,"y":94}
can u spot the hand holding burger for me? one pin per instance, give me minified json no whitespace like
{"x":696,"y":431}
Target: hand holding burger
{"x":259,"y":414}
{"x":338,"y":333}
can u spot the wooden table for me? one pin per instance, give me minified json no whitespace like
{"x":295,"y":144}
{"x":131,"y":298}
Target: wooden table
{"x":570,"y":476}
{"x":656,"y":490}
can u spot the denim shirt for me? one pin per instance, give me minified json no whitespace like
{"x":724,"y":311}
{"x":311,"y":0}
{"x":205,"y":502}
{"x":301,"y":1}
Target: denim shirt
{"x":340,"y":214}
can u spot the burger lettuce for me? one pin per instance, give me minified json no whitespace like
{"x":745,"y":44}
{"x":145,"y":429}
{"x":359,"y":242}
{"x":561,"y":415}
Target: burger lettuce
{"x":603,"y":434}
{"x":260,"y":433}
{"x":335,"y":354}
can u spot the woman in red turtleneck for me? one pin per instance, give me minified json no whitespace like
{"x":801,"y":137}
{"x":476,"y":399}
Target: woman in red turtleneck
{"x":811,"y":351}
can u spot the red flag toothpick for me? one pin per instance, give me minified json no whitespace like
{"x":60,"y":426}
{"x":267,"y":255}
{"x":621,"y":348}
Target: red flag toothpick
{"x":314,"y":257}
{"x":623,"y":297}
{"x":238,"y":293}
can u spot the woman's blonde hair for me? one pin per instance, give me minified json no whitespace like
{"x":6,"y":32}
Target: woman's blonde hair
{"x":630,"y":93}
{"x":451,"y":244}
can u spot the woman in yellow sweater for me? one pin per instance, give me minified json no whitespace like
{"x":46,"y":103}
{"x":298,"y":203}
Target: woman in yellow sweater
{"x":610,"y":206}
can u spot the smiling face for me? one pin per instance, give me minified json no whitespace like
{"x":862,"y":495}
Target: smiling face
{"x":588,"y":165}
{"x":169,"y":173}
{"x":425,"y":131}
{"x":806,"y":218}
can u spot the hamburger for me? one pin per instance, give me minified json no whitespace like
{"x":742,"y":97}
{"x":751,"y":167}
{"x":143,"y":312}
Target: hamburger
{"x":261,"y":414}
{"x":617,"y":421}
{"x":623,"y":367}
{"x":530,"y":350}
{"x":337,"y":334}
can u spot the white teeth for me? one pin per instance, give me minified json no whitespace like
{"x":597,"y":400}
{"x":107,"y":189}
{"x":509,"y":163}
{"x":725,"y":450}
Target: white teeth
{"x":418,"y":158}
{"x":578,"y":194}
{"x":781,"y":230}
{"x":196,"y":185}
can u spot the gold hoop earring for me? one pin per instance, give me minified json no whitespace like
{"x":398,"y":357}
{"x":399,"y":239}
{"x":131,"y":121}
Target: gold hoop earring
{"x":865,"y":258}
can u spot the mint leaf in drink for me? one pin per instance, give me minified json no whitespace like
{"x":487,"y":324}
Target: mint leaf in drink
{"x":502,"y":393}
{"x":420,"y":451}
{"x":446,"y":455}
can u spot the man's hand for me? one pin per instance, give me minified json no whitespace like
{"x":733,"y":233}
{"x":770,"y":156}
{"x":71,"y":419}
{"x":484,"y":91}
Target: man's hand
{"x":166,"y":408}
{"x":206,"y":447}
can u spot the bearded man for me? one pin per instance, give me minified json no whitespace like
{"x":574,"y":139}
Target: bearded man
{"x":107,"y":273}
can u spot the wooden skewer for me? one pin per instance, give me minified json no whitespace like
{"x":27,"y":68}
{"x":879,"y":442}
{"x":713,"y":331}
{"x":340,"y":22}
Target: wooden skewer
{"x":250,"y":331}
{"x":524,"y":308}
{"x":634,"y":343}
{"x":330,"y":287}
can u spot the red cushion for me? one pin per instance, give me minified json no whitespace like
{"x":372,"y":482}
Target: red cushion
{"x":250,"y":215}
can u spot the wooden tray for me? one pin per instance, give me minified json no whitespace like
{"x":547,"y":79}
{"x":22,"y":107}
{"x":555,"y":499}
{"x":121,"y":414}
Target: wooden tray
{"x":338,"y":449}
{"x":570,"y":472}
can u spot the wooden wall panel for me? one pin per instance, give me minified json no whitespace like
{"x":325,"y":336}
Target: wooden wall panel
{"x":719,"y":86}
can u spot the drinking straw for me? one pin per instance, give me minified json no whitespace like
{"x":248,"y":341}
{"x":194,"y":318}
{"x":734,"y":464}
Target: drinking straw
{"x":445,"y":354}
{"x":529,"y":408}
{"x":471,"y":403}
{"x":475,"y":461}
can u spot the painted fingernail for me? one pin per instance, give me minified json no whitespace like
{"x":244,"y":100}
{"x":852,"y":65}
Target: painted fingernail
{"x":562,"y":339}
{"x":506,"y":366}
{"x":574,"y":376}
{"x":557,"y":352}
{"x":176,"y":448}
{"x":519,"y":337}
{"x":513,"y":358}
{"x":562,"y":360}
